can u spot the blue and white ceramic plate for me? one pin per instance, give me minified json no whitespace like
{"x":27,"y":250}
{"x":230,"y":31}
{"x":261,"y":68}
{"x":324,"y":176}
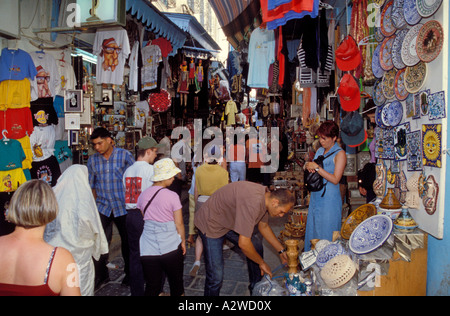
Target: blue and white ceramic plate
{"x":378,"y":95}
{"x":398,"y":17}
{"x":427,"y":8}
{"x":328,"y":253}
{"x":409,"y":52}
{"x":379,"y":116}
{"x":395,"y":113}
{"x":385,"y":115}
{"x":412,"y":16}
{"x":397,"y":49}
{"x":378,"y":72}
{"x":370,"y":234}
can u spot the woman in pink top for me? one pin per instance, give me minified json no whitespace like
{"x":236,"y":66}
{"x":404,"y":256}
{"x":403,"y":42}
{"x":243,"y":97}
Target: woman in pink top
{"x":28,"y":265}
{"x":163,"y":241}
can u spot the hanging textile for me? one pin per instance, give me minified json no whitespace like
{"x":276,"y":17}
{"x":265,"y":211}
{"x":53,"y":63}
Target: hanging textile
{"x":359,"y":28}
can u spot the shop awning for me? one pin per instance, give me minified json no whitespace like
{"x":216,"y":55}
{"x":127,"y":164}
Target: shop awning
{"x":189,"y":24}
{"x":237,"y":18}
{"x":157,"y":22}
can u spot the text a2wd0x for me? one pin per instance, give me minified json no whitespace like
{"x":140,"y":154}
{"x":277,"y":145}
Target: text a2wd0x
{"x":231,"y":305}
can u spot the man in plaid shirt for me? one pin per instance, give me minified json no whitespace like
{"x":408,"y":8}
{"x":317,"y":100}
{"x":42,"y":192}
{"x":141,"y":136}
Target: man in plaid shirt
{"x":106,"y":169}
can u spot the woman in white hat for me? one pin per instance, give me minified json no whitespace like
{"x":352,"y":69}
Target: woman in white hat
{"x":163,"y":242}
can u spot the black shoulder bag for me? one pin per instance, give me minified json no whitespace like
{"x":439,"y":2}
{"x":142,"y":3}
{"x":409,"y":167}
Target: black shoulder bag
{"x":149,"y":202}
{"x":313,"y":180}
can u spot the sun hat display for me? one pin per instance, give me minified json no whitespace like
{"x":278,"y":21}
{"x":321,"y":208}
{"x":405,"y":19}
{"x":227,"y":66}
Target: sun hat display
{"x":387,"y":24}
{"x":164,"y":169}
{"x":353,"y":133}
{"x":415,"y":77}
{"x":430,"y":41}
{"x":349,"y":93}
{"x":348,"y":56}
{"x":412,"y":16}
{"x":147,"y":143}
{"x":427,"y":8}
{"x":338,"y":271}
{"x":409,"y":52}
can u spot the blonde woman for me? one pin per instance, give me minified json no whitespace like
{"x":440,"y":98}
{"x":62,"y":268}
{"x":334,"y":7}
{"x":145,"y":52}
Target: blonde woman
{"x":28,"y":265}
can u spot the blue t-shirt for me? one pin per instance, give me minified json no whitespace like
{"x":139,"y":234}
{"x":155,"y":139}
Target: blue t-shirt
{"x":16,"y":65}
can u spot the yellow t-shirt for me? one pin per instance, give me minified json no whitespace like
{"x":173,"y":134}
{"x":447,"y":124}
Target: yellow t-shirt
{"x":11,"y":180}
{"x":26,"y":146}
{"x":15,"y":94}
{"x":209,"y":178}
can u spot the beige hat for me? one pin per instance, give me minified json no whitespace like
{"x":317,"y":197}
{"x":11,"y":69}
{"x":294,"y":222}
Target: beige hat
{"x":164,"y":169}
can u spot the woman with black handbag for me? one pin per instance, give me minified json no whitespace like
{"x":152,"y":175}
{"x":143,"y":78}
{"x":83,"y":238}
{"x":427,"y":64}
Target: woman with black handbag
{"x":325,"y":205}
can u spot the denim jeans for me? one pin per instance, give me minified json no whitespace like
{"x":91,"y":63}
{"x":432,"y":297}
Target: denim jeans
{"x":213,"y":255}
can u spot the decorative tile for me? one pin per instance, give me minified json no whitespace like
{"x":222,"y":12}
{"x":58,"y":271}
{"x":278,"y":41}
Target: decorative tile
{"x":414,"y":151}
{"x":400,"y":141}
{"x":432,"y":145}
{"x":436,"y":105}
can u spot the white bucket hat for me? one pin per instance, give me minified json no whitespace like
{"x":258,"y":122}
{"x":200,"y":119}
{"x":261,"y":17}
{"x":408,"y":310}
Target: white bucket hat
{"x":164,"y":169}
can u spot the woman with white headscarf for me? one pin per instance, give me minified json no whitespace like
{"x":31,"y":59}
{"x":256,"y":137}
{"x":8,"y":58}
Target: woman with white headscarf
{"x":78,"y":227}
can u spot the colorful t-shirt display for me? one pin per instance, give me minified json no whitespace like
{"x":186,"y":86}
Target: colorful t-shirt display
{"x":18,"y":122}
{"x":47,"y":77}
{"x":47,"y":170}
{"x":11,"y":155}
{"x":112,"y":49}
{"x":42,"y":142}
{"x":261,"y":54}
{"x":151,"y":57}
{"x":11,"y":180}
{"x":15,"y":94}
{"x":43,"y":112}
{"x":16,"y":65}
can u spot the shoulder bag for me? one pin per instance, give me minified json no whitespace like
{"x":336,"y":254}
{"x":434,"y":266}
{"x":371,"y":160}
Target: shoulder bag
{"x":313,"y":180}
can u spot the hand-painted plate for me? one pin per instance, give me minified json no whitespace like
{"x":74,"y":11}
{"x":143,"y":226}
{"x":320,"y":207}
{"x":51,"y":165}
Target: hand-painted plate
{"x":415,"y":77}
{"x":412,"y":16}
{"x":378,"y":95}
{"x":387,"y":25}
{"x":399,"y":85}
{"x":379,"y":116}
{"x":397,"y":49}
{"x":370,"y":234}
{"x":385,"y":115}
{"x":386,"y":53}
{"x":357,"y":217}
{"x":377,"y":71}
{"x":430,"y":41}
{"x":427,"y":8}
{"x":409,"y":52}
{"x":395,"y":113}
{"x":398,"y":17}
{"x":387,"y":84}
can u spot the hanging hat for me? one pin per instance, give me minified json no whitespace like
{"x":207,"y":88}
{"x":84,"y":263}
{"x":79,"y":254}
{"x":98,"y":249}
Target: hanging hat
{"x":348,"y":56}
{"x":353,"y":133}
{"x":164,"y":169}
{"x":349,"y":95}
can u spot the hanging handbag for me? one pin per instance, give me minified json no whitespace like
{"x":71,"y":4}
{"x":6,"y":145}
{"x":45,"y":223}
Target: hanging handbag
{"x":313,"y":180}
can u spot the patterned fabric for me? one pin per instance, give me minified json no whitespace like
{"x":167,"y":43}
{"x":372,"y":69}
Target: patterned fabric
{"x":105,"y":176}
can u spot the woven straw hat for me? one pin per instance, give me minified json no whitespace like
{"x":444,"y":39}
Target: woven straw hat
{"x":164,"y":169}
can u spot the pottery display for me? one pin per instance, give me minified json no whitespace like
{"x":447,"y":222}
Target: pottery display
{"x":370,"y":234}
{"x":390,"y":202}
{"x":292,"y":254}
{"x":326,"y":254}
{"x":357,"y":217}
{"x":405,"y":222}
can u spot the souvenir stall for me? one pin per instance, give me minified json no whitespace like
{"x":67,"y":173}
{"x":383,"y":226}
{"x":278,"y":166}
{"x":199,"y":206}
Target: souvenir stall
{"x":391,"y":113}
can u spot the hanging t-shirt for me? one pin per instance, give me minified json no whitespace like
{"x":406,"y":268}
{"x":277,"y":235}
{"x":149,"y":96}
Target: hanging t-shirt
{"x":133,"y":63}
{"x":11,"y":155}
{"x":18,"y":122}
{"x":15,"y":94}
{"x":231,"y":111}
{"x":112,"y":49}
{"x":11,"y":180}
{"x":16,"y":65}
{"x":164,"y":45}
{"x":151,"y":57}
{"x":141,"y":113}
{"x":48,"y":79}
{"x":42,"y":142}
{"x":47,"y":170}
{"x":68,"y":80}
{"x":43,"y":113}
{"x":261,"y":54}
{"x":26,"y":146}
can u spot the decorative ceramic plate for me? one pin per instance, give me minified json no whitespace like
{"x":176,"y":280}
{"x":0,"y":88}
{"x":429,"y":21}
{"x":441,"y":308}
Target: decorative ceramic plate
{"x":385,"y":115}
{"x":399,"y":86}
{"x":397,"y":49}
{"x":427,"y":8}
{"x":387,"y":25}
{"x":357,"y":217}
{"x":379,"y":116}
{"x":387,"y":84}
{"x":378,"y":35}
{"x":379,"y":3}
{"x":328,"y":253}
{"x":370,"y":234}
{"x":394,"y":113}
{"x":377,"y":71}
{"x":398,"y":17}
{"x":386,"y":53}
{"x":412,"y":16}
{"x":378,"y":96}
{"x":409,"y":52}
{"x":415,"y":77}
{"x":430,"y":41}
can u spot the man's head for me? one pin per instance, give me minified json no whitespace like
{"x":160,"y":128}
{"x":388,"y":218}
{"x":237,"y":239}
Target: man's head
{"x":279,"y":202}
{"x":147,"y":149}
{"x":102,"y":141}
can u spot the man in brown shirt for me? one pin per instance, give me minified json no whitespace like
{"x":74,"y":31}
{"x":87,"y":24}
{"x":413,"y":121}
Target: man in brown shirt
{"x":240,"y":212}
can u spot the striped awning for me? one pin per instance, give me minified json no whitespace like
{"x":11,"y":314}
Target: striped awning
{"x":237,"y":18}
{"x":157,"y":22}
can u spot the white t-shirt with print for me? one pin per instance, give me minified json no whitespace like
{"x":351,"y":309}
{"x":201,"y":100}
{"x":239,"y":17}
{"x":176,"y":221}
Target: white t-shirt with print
{"x":151,"y":57}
